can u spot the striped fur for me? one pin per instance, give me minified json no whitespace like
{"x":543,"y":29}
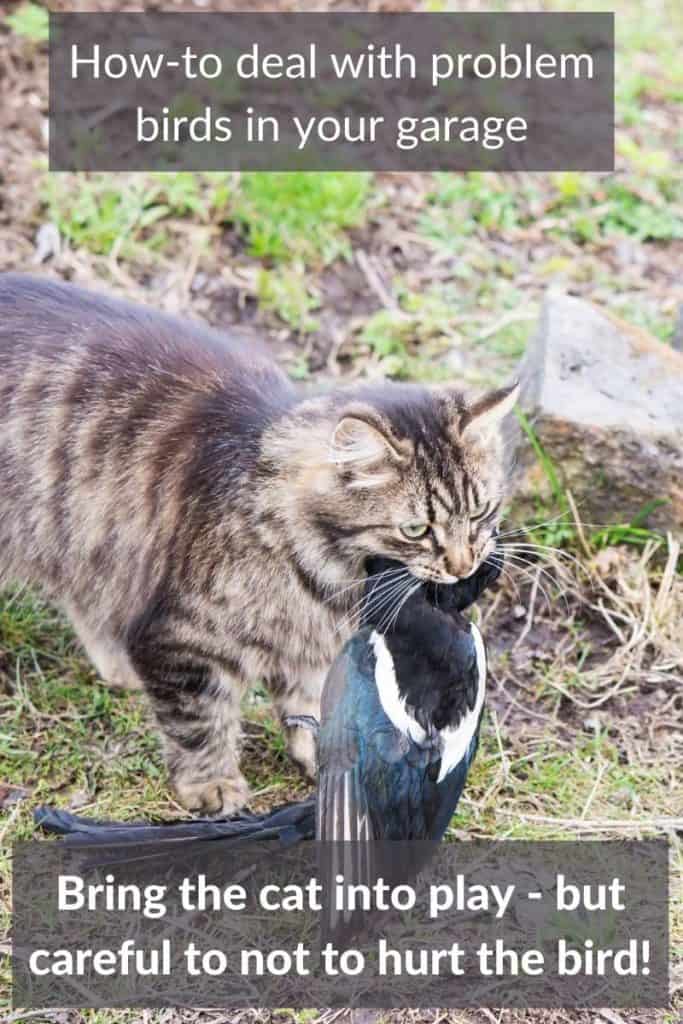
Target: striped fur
{"x":194,"y":518}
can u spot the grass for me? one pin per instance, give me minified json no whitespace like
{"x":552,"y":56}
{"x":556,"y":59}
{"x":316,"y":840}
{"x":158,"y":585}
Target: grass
{"x":287,"y":291}
{"x":408,"y":340}
{"x":64,"y":735}
{"x":301,"y":215}
{"x":539,"y":794}
{"x":282,"y":216}
{"x":460,"y":205}
{"x":643,"y":206}
{"x":103,"y":214}
{"x":30,"y":21}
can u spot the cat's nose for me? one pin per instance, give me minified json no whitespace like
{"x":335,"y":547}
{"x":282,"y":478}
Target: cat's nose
{"x":460,"y":562}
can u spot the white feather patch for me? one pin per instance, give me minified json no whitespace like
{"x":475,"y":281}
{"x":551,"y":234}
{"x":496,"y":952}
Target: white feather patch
{"x":456,"y":741}
{"x":394,"y":705}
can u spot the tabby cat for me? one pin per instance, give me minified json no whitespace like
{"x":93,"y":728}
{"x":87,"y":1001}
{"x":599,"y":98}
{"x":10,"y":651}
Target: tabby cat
{"x":203,"y":526}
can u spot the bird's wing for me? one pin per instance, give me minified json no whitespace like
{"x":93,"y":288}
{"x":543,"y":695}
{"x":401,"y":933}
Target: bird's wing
{"x":343,"y":812}
{"x":449,"y":790}
{"x":344,"y":823}
{"x":372,"y":756}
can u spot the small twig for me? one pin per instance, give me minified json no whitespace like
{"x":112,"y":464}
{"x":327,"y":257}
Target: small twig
{"x":663,"y":824}
{"x":514,"y":317}
{"x":504,"y":762}
{"x":668,"y":576}
{"x":104,"y":113}
{"x":578,"y":524}
{"x":611,"y":1016}
{"x":489,"y":1015}
{"x":376,"y":283}
{"x":198,"y":248}
{"x":27,"y":1015}
{"x":602,"y":767}
{"x":530,"y":613}
{"x":9,"y":821}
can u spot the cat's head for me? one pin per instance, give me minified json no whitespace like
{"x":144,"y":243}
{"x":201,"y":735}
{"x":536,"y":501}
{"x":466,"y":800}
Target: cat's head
{"x":419,"y":476}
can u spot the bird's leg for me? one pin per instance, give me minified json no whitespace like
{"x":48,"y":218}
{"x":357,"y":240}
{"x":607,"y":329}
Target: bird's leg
{"x":297,"y":697}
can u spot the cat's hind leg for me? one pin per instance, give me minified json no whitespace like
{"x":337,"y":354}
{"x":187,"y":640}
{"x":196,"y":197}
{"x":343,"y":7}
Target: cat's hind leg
{"x":107,"y":653}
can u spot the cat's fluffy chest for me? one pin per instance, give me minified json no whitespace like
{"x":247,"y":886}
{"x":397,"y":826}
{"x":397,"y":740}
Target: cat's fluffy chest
{"x":272,"y":621}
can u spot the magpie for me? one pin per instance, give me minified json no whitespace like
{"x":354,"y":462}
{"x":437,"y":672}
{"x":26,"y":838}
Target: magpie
{"x":401,"y":710}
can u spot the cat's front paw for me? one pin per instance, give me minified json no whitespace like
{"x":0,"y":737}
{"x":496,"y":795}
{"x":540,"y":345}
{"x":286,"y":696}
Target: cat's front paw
{"x":223,"y":795}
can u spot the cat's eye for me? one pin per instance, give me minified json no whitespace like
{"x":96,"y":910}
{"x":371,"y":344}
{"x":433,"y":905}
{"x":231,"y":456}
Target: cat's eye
{"x":479,"y":511}
{"x":413,"y":531}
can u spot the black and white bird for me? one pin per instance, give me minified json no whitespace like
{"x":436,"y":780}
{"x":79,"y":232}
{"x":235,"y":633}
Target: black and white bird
{"x":401,"y":711}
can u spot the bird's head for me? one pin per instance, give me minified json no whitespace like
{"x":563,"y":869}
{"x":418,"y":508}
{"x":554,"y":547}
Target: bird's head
{"x":381,"y":612}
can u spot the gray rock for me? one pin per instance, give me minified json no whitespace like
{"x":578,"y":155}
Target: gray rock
{"x":606,"y":403}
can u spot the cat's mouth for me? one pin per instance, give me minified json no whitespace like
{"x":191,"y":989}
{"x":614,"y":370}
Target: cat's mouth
{"x":436,"y":576}
{"x":430,"y":576}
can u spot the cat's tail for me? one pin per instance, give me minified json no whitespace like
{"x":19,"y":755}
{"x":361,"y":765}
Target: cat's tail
{"x":288,"y":824}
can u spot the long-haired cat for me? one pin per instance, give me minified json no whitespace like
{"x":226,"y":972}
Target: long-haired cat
{"x":203,"y":526}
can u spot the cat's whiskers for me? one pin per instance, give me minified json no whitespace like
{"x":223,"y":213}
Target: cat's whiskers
{"x":380,"y":590}
{"x":360,"y":581}
{"x":506,"y":573}
{"x":543,"y":552}
{"x":525,"y":569}
{"x":392,"y":620}
{"x":553,"y":568}
{"x":527,"y":578}
{"x":392,"y":594}
{"x":396,"y":597}
{"x":561,"y":520}
{"x":525,"y":561}
{"x":375,"y":600}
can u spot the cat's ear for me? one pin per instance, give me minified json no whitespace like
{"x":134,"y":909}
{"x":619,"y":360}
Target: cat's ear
{"x":488,"y":412}
{"x":363,"y":443}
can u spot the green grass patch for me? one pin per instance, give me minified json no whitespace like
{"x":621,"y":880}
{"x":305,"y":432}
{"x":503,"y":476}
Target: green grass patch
{"x":560,"y":784}
{"x":59,"y":727}
{"x":283,"y":217}
{"x":634,"y":533}
{"x":30,"y":21}
{"x":629,"y":213}
{"x":461,"y":204}
{"x":646,"y":203}
{"x":510,"y":341}
{"x":287,"y":292}
{"x":299,"y":214}
{"x":102,"y":211}
{"x":411,"y":341}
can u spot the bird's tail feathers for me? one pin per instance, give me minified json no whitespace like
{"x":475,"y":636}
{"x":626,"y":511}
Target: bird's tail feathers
{"x":287,"y":824}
